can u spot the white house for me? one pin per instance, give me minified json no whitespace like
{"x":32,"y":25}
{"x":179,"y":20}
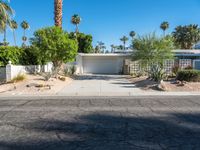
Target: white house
{"x":113,"y":63}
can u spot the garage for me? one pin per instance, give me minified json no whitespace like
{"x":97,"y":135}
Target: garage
{"x":100,"y":63}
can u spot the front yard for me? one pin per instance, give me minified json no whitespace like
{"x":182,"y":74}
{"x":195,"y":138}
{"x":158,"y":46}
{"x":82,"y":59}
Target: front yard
{"x":34,"y":85}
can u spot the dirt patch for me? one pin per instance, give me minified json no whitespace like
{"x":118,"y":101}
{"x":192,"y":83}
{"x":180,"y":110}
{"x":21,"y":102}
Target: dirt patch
{"x":35,"y":85}
{"x":169,"y":86}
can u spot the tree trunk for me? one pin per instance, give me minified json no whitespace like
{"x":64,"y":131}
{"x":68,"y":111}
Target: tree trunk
{"x":77,"y":28}
{"x":14,"y":37}
{"x":58,"y":13}
{"x":4,"y":39}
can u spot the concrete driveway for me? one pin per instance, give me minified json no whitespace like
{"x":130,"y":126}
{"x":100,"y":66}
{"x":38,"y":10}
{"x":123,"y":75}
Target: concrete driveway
{"x":100,"y":85}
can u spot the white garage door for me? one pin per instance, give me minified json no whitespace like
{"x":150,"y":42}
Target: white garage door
{"x":100,"y":65}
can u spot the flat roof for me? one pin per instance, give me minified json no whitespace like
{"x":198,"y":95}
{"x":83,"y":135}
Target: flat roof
{"x":109,"y":54}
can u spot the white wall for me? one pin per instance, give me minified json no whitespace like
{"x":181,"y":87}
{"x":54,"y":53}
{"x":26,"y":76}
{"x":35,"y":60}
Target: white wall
{"x":83,"y":61}
{"x":12,"y":71}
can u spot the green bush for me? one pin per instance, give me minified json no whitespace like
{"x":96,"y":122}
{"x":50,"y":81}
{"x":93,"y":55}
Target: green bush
{"x":9,"y":53}
{"x":188,"y":75}
{"x":30,"y":56}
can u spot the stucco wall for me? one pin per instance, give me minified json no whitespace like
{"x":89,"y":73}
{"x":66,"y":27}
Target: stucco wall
{"x":83,"y":61}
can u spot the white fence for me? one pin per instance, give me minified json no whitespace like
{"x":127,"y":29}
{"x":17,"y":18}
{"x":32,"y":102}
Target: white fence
{"x":10,"y":71}
{"x":135,"y":67}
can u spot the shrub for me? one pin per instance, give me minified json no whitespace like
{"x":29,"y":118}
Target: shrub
{"x":175,"y":69}
{"x":188,"y":68}
{"x":9,"y":53}
{"x":18,"y":78}
{"x":188,"y":75}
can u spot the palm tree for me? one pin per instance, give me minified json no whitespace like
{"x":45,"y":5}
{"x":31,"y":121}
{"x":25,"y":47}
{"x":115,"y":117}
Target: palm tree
{"x":76,"y":20}
{"x":6,"y":13}
{"x":132,"y":34}
{"x":112,"y":48}
{"x":164,"y":26}
{"x":101,"y":46}
{"x":124,"y":39}
{"x":14,"y":27}
{"x":58,"y":4}
{"x":25,"y":26}
{"x":5,"y":10}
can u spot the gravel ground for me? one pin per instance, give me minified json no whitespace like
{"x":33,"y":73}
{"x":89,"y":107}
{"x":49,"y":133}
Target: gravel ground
{"x":22,"y":89}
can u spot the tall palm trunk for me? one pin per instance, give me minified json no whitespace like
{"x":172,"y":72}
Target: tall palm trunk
{"x":4,"y":38}
{"x":14,"y":37}
{"x":58,"y":12}
{"x":124,"y":45}
{"x":77,"y":28}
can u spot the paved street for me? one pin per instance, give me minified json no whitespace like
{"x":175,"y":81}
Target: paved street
{"x":100,"y":85}
{"x":139,"y":123}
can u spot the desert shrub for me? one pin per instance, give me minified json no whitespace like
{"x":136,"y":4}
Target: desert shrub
{"x":175,"y":69}
{"x":151,"y":51}
{"x":188,"y":68}
{"x":62,"y":78}
{"x":70,"y":70}
{"x":18,"y":78}
{"x":188,"y":75}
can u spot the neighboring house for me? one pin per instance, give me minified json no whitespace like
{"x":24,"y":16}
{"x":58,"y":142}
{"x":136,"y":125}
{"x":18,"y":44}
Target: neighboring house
{"x":113,"y":63}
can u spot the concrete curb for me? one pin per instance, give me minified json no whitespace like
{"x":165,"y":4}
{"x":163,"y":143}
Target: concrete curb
{"x":103,"y":95}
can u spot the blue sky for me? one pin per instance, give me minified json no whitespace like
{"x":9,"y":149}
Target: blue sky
{"x":107,"y":20}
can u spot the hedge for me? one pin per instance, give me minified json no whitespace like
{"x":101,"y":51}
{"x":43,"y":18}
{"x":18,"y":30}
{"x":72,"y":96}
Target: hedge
{"x":12,"y":54}
{"x":18,"y":56}
{"x":189,"y":75}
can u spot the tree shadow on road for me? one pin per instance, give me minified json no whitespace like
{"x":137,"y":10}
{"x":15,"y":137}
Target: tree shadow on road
{"x":103,"y":131}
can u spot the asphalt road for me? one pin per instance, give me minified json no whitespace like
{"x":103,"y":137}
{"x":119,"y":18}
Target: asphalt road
{"x":137,"y":123}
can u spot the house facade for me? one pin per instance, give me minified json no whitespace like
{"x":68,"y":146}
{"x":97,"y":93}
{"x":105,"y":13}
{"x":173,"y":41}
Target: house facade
{"x":119,"y":63}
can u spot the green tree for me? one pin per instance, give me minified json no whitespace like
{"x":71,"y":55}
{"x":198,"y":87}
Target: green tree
{"x":14,"y":27}
{"x":124,"y":39}
{"x":76,"y":20}
{"x":84,"y":42}
{"x":164,"y":26}
{"x":186,"y":36}
{"x":25,"y":26}
{"x":9,"y":53}
{"x":132,"y":34}
{"x":53,"y":44}
{"x":151,"y":51}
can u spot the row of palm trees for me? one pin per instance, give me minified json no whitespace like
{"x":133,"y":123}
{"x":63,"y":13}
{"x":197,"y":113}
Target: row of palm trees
{"x":164,"y":26}
{"x":6,"y":15}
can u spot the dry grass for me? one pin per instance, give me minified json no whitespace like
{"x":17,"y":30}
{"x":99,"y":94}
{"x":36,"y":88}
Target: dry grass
{"x":18,"y":78}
